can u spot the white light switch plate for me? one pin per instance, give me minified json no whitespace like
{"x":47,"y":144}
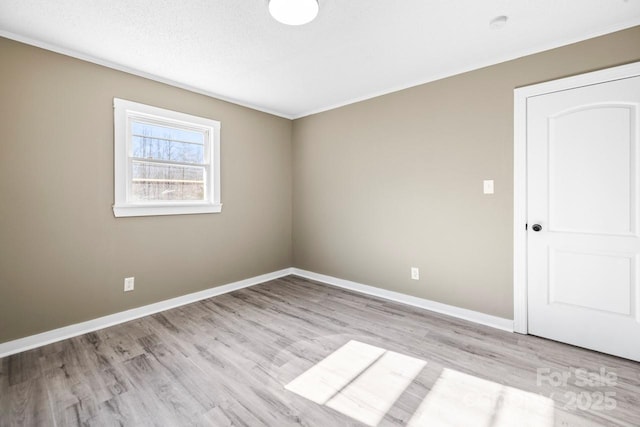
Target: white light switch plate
{"x":487,"y":186}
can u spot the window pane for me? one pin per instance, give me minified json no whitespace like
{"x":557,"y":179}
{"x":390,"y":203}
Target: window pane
{"x":153,"y":130}
{"x":152,"y":181}
{"x":151,"y":141}
{"x":163,"y":149}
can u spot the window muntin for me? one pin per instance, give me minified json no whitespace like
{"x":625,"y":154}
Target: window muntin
{"x":166,"y":162}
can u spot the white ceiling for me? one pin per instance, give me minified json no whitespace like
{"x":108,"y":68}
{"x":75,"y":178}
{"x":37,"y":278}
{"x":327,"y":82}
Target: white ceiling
{"x":355,"y":49}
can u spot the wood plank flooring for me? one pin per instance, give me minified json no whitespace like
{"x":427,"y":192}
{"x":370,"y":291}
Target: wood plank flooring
{"x":225,"y":361}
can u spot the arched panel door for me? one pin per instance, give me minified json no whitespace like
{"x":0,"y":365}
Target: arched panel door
{"x":582,"y":201}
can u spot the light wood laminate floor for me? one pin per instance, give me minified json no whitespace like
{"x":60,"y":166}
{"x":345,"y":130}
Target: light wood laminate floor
{"x":226,"y":361}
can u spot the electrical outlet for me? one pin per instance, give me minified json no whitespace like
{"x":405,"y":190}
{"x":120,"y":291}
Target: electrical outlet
{"x":415,"y":273}
{"x":128,"y":284}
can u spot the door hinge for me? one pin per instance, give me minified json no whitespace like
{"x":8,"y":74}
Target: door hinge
{"x":526,"y":227}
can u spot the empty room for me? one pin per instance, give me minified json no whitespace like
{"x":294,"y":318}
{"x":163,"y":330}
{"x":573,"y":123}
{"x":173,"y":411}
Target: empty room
{"x":321,"y":213}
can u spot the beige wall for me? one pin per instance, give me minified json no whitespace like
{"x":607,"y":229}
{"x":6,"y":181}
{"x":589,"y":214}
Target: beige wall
{"x":396,"y":181}
{"x":378,"y":187}
{"x":63,"y":255}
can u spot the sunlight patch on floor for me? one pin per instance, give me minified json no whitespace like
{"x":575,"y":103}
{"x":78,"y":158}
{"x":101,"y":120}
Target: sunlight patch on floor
{"x":458,"y":399}
{"x":369,"y":397}
{"x":333,"y":373}
{"x":363,"y":382}
{"x":359,"y":380}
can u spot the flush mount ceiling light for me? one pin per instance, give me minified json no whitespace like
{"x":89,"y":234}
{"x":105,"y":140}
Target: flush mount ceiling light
{"x":293,"y":12}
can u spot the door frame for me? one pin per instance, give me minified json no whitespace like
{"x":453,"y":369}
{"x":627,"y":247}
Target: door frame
{"x":520,"y":96}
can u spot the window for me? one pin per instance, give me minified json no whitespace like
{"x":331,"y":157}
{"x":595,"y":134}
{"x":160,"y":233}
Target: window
{"x":166,"y":163}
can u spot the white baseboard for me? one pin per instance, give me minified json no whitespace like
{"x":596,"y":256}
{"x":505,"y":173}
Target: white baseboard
{"x":22,"y":344}
{"x":461,"y":313}
{"x":27,"y":343}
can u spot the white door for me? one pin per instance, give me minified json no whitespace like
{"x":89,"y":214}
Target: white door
{"x":583,"y":232}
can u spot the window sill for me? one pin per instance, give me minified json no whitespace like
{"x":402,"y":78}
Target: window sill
{"x":155,"y":210}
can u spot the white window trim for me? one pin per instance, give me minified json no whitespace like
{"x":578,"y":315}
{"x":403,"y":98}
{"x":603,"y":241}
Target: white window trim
{"x":123,"y":112}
